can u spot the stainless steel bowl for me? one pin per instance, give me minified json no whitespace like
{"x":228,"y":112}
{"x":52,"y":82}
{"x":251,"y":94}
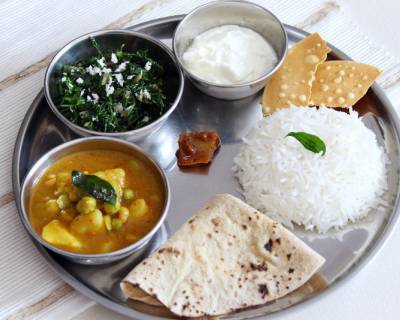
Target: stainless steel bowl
{"x":241,"y":13}
{"x":113,"y":39}
{"x":91,"y":143}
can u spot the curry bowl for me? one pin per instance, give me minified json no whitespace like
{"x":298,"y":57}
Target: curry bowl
{"x":224,"y":13}
{"x":80,"y":57}
{"x":77,"y":219}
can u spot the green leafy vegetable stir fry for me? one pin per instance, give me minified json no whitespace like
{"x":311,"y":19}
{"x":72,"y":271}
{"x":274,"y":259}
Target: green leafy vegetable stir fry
{"x":113,"y":91}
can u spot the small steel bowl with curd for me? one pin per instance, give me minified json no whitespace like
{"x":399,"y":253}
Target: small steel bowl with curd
{"x":229,"y":49}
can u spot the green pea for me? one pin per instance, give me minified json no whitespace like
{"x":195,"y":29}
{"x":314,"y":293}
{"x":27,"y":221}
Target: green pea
{"x":52,"y":207}
{"x":86,"y":205}
{"x":63,"y":201}
{"x":128,"y":194}
{"x":110,"y":208}
{"x":116,"y":224}
{"x":135,"y":164}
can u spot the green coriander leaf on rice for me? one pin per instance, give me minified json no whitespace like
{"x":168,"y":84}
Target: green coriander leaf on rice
{"x":290,"y":184}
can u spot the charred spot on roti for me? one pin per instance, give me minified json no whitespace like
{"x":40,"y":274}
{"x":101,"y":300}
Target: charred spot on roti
{"x":154,"y":296}
{"x":263,"y":289}
{"x":291,"y":270}
{"x":244,"y":227}
{"x":216,"y":221}
{"x":258,"y":267}
{"x":186,"y":305}
{"x":173,"y":251}
{"x":289,"y":255}
{"x":278,"y":241}
{"x":268,"y":245}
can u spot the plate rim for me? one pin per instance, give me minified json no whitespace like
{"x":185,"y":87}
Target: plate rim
{"x":97,"y":297}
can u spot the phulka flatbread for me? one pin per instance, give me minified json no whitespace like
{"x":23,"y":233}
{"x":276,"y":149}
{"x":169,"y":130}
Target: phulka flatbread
{"x":227,"y":257}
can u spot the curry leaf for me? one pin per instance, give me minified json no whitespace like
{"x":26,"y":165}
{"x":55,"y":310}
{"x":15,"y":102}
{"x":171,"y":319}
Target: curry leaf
{"x":95,"y":186}
{"x":309,"y":141}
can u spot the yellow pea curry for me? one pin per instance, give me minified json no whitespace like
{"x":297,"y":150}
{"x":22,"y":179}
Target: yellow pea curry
{"x":70,"y":218}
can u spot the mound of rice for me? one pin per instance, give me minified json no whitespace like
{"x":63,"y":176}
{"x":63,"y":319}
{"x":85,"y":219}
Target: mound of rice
{"x":294,"y":185}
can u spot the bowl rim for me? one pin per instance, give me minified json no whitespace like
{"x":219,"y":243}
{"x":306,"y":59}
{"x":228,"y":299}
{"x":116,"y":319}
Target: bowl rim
{"x":238,"y":85}
{"x":33,"y":174}
{"x":81,"y":130}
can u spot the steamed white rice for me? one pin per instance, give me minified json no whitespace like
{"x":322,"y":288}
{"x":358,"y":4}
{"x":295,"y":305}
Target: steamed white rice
{"x":294,"y":185}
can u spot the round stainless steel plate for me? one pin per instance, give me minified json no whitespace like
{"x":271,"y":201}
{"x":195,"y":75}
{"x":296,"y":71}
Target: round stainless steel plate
{"x":345,"y":252}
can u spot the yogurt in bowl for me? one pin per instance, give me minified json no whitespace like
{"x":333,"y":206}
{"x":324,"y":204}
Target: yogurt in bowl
{"x":229,"y":54}
{"x":230,"y":49}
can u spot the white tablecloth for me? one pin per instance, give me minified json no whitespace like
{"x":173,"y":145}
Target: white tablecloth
{"x":32,"y":31}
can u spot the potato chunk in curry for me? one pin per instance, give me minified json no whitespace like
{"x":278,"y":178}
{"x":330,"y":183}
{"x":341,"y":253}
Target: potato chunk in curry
{"x":57,"y":233}
{"x":71,"y":218}
{"x":116,"y":177}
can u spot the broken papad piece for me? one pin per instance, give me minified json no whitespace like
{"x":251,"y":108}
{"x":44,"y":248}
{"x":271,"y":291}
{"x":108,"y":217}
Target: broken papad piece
{"x":225,"y":258}
{"x":340,"y":84}
{"x":291,"y":84}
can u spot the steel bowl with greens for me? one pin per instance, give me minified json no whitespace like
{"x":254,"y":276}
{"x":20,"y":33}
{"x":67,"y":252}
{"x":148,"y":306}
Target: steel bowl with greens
{"x":113,"y":82}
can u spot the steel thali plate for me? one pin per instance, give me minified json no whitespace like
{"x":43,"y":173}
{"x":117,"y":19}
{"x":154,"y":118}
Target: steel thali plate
{"x":345,"y":252}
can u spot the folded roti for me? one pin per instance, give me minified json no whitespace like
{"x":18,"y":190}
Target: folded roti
{"x":225,"y":258}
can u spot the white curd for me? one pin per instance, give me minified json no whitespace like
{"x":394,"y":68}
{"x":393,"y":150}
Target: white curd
{"x":229,"y":54}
